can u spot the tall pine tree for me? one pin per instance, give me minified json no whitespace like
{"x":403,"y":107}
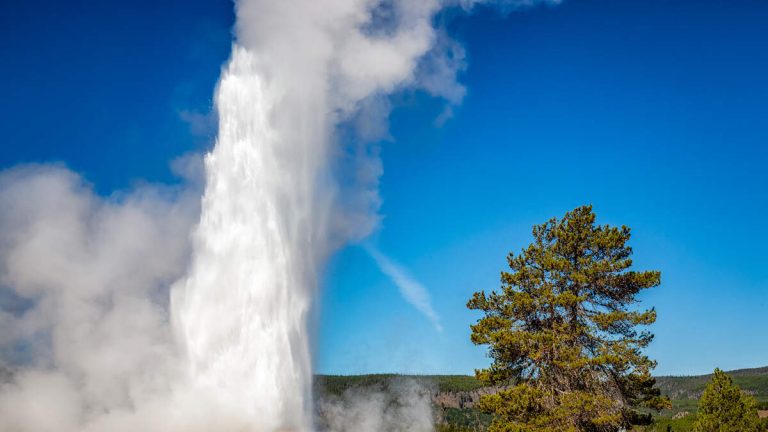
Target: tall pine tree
{"x":562,"y":332}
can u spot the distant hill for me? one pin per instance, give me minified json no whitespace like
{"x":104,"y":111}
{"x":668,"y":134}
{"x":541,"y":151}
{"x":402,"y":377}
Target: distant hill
{"x":753,"y":381}
{"x":338,"y":384}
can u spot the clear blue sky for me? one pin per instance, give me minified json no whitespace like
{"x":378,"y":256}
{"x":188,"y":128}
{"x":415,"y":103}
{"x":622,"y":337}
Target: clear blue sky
{"x":654,"y":111}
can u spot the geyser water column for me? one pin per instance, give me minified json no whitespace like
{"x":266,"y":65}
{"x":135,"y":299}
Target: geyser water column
{"x":298,"y":69}
{"x":242,"y":312}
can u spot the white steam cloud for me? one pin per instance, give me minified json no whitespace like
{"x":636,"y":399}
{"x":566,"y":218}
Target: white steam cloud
{"x":153,"y":310}
{"x":87,"y":278}
{"x":412,"y":291}
{"x":403,"y":406}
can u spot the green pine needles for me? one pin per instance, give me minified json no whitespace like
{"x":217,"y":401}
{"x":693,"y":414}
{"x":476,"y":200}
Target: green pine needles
{"x":562,"y":333}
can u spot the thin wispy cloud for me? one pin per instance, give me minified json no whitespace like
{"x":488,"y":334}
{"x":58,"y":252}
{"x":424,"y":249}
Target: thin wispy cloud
{"x":410,"y":289}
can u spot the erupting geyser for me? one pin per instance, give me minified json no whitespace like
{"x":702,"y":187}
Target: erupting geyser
{"x":242,"y":311}
{"x":232,"y":351}
{"x":268,"y":213}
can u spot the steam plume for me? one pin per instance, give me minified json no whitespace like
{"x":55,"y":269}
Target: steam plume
{"x":86,"y":278}
{"x":89,"y":334}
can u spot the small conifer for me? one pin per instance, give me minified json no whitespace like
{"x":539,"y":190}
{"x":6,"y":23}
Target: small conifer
{"x":723,"y":407}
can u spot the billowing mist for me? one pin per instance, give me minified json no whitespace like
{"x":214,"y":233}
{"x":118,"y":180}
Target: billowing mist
{"x":152,"y":309}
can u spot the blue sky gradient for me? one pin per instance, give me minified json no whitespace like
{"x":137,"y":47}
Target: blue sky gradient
{"x":653,"y":111}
